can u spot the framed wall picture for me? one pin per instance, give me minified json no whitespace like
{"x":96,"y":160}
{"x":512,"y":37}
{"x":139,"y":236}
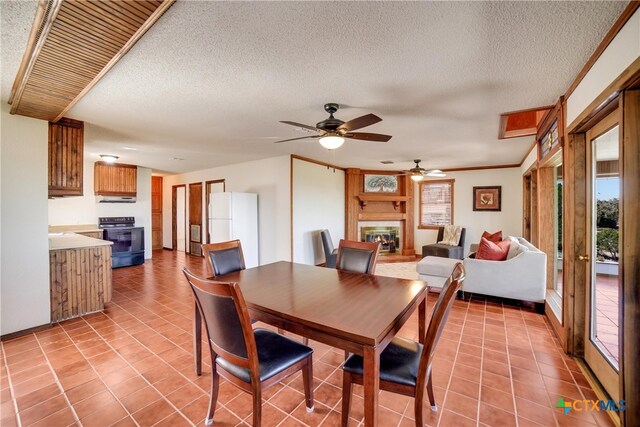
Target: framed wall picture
{"x":487,"y":198}
{"x":380,"y":184}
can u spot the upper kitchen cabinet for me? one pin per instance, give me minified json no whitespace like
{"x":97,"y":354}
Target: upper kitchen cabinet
{"x":115,"y":179}
{"x":66,"y":142}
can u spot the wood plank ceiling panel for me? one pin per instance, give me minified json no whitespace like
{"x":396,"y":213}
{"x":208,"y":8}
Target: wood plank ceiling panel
{"x":72,"y":44}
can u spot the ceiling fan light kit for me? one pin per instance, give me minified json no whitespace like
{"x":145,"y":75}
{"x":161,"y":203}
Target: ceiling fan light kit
{"x":331,"y":142}
{"x":333,"y":132}
{"x":418,"y":173}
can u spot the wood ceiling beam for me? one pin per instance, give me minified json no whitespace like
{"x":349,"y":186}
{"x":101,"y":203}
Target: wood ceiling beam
{"x":102,"y":33}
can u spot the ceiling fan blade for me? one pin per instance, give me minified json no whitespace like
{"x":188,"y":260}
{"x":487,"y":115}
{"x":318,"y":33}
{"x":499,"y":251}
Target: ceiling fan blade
{"x":360,"y":122}
{"x":295,"y":139}
{"x":300,"y":125}
{"x":373,"y":137}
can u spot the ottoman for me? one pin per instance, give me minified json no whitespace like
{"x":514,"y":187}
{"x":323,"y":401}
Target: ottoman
{"x":436,"y":270}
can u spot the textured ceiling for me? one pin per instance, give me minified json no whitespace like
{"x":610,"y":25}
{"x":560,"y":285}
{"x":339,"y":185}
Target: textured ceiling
{"x":211,"y":80}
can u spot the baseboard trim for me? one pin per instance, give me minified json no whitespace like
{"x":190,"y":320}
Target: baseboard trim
{"x":19,"y":334}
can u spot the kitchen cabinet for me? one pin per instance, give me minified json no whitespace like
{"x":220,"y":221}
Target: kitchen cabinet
{"x":115,"y":179}
{"x":66,"y":146}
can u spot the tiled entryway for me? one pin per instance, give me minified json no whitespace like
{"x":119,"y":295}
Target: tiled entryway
{"x":132,"y":365}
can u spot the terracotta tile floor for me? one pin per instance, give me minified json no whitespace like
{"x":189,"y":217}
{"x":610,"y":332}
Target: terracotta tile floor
{"x":132,"y":365}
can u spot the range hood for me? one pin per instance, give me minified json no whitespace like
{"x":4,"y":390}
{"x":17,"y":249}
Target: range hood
{"x":116,"y":199}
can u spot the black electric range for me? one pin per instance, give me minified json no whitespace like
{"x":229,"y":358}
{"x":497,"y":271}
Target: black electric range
{"x":128,"y":240}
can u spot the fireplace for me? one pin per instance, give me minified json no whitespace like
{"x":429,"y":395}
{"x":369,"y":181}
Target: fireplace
{"x":388,"y":236}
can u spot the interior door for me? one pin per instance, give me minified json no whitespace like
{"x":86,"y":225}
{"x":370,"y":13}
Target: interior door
{"x":603,"y":296}
{"x":156,"y":212}
{"x":195,"y":218}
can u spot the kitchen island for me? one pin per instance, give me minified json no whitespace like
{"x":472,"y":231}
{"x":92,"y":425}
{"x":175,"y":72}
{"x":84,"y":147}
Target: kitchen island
{"x":80,"y":274}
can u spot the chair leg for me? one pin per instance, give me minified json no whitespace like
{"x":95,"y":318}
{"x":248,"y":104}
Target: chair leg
{"x":307,"y":380}
{"x":257,"y":406}
{"x":432,"y":399}
{"x":213,"y":401}
{"x":305,"y":340}
{"x":346,"y":397}
{"x":418,"y":407}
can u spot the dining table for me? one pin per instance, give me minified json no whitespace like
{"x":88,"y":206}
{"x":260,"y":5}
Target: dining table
{"x":359,"y":313}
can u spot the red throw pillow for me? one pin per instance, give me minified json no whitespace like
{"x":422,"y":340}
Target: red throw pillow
{"x":493,"y":251}
{"x":495,"y":237}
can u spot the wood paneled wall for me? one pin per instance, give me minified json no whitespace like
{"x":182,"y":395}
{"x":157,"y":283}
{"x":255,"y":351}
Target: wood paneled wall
{"x":80,"y":281}
{"x":546,"y":219}
{"x":363,"y":206}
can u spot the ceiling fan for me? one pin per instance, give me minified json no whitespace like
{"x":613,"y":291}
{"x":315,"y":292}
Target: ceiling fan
{"x":334,"y":131}
{"x":418,"y":174}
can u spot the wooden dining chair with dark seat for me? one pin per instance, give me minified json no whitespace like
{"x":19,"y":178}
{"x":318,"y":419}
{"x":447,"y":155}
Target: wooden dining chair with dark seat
{"x":405,"y":365}
{"x":224,"y":257}
{"x":252,"y":360}
{"x":357,"y":257}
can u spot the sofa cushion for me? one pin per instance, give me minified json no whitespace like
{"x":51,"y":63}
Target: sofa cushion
{"x":491,"y":251}
{"x":436,"y":266}
{"x":515,"y":248}
{"x":495,"y":237}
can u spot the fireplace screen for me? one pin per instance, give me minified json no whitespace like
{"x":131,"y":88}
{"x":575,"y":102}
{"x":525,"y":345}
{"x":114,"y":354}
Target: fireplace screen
{"x":389,"y":237}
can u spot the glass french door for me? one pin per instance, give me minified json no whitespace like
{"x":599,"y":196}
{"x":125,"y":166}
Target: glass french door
{"x":602,"y":346}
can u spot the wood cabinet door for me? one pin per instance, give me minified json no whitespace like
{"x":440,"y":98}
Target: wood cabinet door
{"x":115,"y":180}
{"x":66,"y":145}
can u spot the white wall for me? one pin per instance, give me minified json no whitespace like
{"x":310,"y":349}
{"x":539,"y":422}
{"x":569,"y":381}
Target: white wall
{"x":24,"y":246}
{"x":621,"y":52}
{"x":269,"y":178}
{"x":509,"y":219}
{"x":85,"y":210}
{"x":318,"y":203}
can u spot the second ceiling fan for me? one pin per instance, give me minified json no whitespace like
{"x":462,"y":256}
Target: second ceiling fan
{"x":418,"y":173}
{"x":334,"y":131}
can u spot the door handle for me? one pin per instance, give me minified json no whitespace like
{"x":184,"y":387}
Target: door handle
{"x":583,"y":258}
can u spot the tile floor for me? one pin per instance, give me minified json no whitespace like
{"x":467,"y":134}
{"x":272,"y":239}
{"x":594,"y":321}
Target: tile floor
{"x":132,"y":365}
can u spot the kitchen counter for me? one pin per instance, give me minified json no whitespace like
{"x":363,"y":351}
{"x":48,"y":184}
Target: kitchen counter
{"x":79,"y":274}
{"x":77,"y":228}
{"x":59,"y":241}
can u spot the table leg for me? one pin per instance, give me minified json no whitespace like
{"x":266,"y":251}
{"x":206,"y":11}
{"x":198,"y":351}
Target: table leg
{"x":197,"y":340}
{"x":422,"y":320}
{"x":371,"y":386}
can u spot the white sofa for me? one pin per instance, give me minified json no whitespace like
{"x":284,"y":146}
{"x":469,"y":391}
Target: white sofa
{"x":521,"y":277}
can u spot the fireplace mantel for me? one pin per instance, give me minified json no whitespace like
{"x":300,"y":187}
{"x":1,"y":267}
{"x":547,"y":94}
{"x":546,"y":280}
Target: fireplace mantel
{"x":373,"y":197}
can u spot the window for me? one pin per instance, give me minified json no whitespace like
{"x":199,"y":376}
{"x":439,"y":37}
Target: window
{"x":436,"y":203}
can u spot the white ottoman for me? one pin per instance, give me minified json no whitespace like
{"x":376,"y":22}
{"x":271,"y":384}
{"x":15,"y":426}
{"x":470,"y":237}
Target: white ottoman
{"x":436,"y":270}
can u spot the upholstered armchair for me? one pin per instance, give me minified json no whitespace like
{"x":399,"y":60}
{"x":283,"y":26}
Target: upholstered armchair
{"x":330,"y":253}
{"x":445,"y":251}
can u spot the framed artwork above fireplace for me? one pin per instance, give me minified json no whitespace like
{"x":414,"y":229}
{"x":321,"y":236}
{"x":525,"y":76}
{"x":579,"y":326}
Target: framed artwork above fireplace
{"x":380,"y":183}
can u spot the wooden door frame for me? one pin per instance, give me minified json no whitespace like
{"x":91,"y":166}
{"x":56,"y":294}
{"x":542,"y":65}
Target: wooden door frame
{"x":174,"y":215}
{"x":207,"y":200}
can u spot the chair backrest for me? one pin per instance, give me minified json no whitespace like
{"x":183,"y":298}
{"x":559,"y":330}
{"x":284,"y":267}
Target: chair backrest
{"x":358,"y":257}
{"x":441,"y":236}
{"x":226,"y":320}
{"x":327,"y":243}
{"x":438,"y":320}
{"x":224,"y":257}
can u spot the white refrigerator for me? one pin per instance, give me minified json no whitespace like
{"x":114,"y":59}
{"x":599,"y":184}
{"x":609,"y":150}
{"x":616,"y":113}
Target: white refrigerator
{"x":235,"y":216}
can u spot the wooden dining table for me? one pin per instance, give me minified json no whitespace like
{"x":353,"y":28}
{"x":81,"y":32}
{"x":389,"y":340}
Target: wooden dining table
{"x":356,"y":312}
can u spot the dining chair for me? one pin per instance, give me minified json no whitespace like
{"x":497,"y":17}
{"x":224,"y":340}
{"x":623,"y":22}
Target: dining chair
{"x":251,"y":359}
{"x":224,"y":257}
{"x":405,"y":365}
{"x":357,"y":257}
